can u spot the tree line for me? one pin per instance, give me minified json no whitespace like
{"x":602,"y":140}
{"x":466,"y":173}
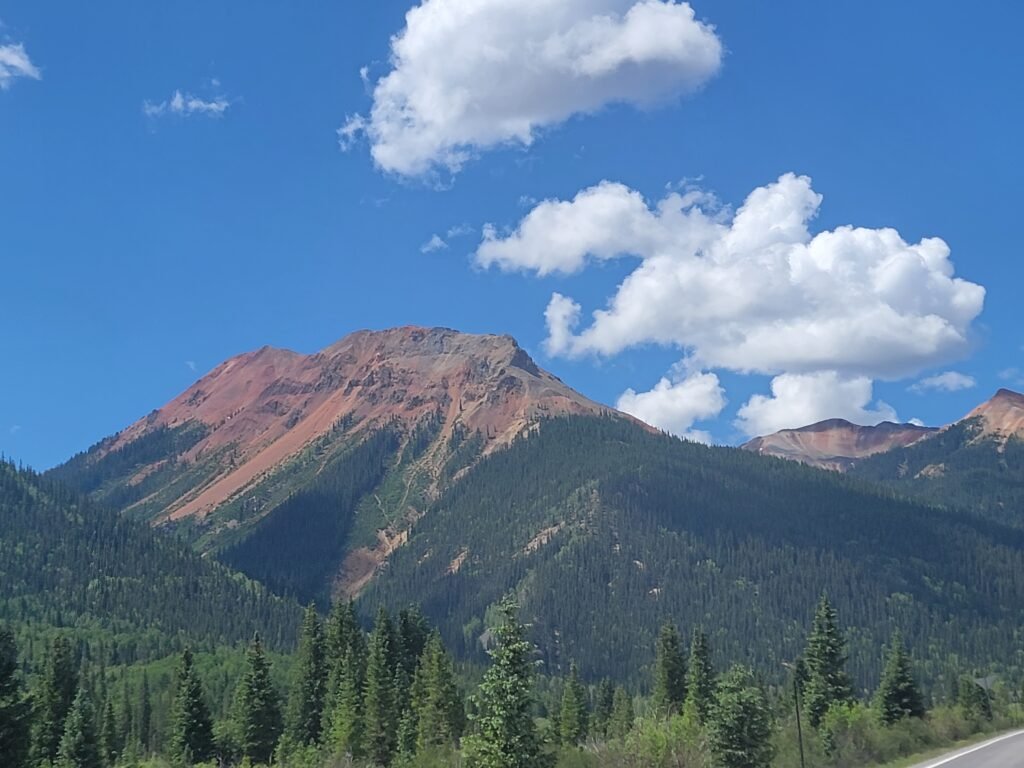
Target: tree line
{"x":393,"y":697}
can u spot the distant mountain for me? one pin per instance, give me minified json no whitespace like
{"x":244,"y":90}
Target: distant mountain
{"x":67,"y":563}
{"x":350,"y":443}
{"x":836,"y":443}
{"x":976,"y":463}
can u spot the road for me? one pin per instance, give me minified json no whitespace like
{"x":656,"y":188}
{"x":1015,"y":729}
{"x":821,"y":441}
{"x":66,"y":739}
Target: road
{"x":1006,"y":751}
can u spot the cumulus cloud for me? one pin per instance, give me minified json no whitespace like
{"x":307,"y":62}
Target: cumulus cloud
{"x":185,"y":105}
{"x":752,"y":291}
{"x":471,"y":74}
{"x":676,"y":403}
{"x":15,"y":63}
{"x":950,"y":381}
{"x":801,"y":399}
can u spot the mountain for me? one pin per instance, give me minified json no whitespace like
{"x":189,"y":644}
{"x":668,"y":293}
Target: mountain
{"x":976,"y":463}
{"x":67,"y":563}
{"x":350,"y":444}
{"x":429,"y":466}
{"x":836,"y":443}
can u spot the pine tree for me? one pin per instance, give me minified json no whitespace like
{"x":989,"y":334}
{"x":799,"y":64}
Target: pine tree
{"x":604,"y":701}
{"x":413,"y":633}
{"x":898,"y":696}
{"x":341,"y":628}
{"x":572,"y":721}
{"x":191,"y":729}
{"x":306,"y":700}
{"x":345,"y":734}
{"x":700,"y":679}
{"x":145,"y":729}
{"x":739,"y":723}
{"x":15,"y":710}
{"x":79,"y":744}
{"x":506,"y":736}
{"x":436,"y":701}
{"x":53,"y":700}
{"x":825,"y":659}
{"x":109,"y":739}
{"x":126,"y":723}
{"x":380,"y":717}
{"x":669,"y":672}
{"x":258,"y":713}
{"x":622,"y":718}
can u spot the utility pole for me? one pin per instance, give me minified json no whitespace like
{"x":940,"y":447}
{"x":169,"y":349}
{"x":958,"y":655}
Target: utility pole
{"x":797,"y":670}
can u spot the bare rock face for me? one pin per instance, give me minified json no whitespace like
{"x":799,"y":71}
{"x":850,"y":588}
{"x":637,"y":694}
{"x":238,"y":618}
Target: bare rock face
{"x":836,"y":443}
{"x":1001,"y":417}
{"x":264,"y":407}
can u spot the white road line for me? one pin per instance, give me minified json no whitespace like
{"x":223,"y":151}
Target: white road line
{"x":972,"y":750}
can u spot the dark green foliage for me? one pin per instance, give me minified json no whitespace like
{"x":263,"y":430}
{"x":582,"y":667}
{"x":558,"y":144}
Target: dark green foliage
{"x":144,"y":732}
{"x":604,"y":700}
{"x":637,"y":527}
{"x":15,"y":710}
{"x":69,"y":563}
{"x":827,"y":681}
{"x":343,"y":639}
{"x":436,"y":701}
{"x":257,"y":713}
{"x":191,"y":735}
{"x":974,"y":698}
{"x":669,"y":672}
{"x":380,"y":715}
{"x":700,"y":678}
{"x":344,"y":734}
{"x":108,"y":476}
{"x":985,"y":476}
{"x":300,"y":544}
{"x":622,"y":717}
{"x":80,"y":744}
{"x":898,"y":696}
{"x":573,"y":716}
{"x":309,"y":686}
{"x":110,"y":741}
{"x":740,"y":724}
{"x":506,"y":736}
{"x":53,"y":699}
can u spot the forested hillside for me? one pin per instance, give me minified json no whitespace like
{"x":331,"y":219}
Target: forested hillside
{"x":604,"y":530}
{"x":958,"y":467}
{"x":66,"y":562}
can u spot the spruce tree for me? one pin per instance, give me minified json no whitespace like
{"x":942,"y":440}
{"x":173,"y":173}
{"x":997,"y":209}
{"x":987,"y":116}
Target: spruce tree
{"x":380,"y":717}
{"x":79,"y":744}
{"x":898,"y":696}
{"x":669,"y":672}
{"x":345,"y":733}
{"x":15,"y":710}
{"x":623,"y":716}
{"x":572,"y":721}
{"x":739,"y":723}
{"x":700,"y":679}
{"x":191,"y":729}
{"x":257,"y":713}
{"x":145,"y":729}
{"x":109,"y":738}
{"x":53,"y":700}
{"x":306,"y":700}
{"x":604,"y":700}
{"x":436,"y":701}
{"x":827,"y":681}
{"x":413,"y":633}
{"x":126,"y":723}
{"x":506,"y":736}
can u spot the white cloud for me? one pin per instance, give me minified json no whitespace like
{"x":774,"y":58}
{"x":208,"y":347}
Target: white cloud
{"x":950,"y":381}
{"x":435,"y":243}
{"x":15,"y":429}
{"x":752,"y":291}
{"x":675,"y":404}
{"x":801,"y":399}
{"x":471,"y":74}
{"x":185,"y":105}
{"x":191,"y":365}
{"x":459,"y":230}
{"x":15,"y":63}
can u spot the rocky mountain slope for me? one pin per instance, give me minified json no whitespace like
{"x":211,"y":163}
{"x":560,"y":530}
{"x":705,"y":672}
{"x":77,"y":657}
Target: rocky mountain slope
{"x":836,"y":443}
{"x":371,"y":426}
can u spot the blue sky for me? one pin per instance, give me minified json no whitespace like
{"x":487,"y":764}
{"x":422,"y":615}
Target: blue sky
{"x":139,"y":250}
